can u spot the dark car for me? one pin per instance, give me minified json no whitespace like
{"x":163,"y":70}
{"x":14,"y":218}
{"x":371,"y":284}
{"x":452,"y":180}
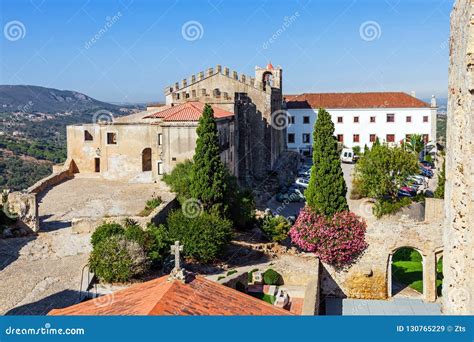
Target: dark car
{"x":427,"y":164}
{"x":426,"y":172}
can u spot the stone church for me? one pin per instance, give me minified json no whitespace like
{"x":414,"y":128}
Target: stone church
{"x":143,"y":146}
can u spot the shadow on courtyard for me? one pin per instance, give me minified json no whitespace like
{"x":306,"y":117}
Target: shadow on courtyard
{"x":43,"y":306}
{"x":10,"y":249}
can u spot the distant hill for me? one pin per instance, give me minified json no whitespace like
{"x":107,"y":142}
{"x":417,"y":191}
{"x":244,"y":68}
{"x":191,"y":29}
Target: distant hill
{"x":34,"y":99}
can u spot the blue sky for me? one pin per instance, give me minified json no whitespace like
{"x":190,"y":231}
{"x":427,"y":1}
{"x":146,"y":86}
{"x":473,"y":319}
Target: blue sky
{"x":323,"y":46}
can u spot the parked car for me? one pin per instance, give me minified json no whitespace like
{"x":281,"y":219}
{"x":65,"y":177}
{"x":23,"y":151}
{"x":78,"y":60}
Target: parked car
{"x":348,"y":156}
{"x":402,"y":193}
{"x":427,"y":164}
{"x":409,"y":189}
{"x":418,"y":179}
{"x":426,"y":172}
{"x":303,"y":182}
{"x":293,"y":195}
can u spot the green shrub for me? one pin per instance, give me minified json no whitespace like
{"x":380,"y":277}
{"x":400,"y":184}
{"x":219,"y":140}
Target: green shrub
{"x":204,"y":237}
{"x":116,"y":259}
{"x":231,"y":272}
{"x":158,"y":243}
{"x":150,"y":205}
{"x":275,"y":227}
{"x":179,"y":180}
{"x":357,"y":191}
{"x":356,"y":150}
{"x":250,"y":275}
{"x":387,"y":207}
{"x":272,"y":277}
{"x":105,"y":231}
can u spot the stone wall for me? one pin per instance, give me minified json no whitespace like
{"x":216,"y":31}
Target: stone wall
{"x":370,"y":276}
{"x":459,"y":197}
{"x":25,"y":206}
{"x":157,"y":216}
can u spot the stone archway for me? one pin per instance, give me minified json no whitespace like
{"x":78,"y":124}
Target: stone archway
{"x":394,"y":285}
{"x":146,"y":159}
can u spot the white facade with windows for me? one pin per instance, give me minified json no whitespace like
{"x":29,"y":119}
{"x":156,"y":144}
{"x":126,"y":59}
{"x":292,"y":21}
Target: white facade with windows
{"x":361,"y":126}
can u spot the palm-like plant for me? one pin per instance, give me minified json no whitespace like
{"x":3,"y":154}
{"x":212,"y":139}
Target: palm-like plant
{"x":415,"y":144}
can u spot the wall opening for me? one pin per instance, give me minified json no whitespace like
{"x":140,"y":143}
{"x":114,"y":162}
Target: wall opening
{"x":267,"y":79}
{"x":439,"y":275}
{"x":406,"y":267}
{"x":146,"y":159}
{"x":88,"y":136}
{"x":97,"y":164}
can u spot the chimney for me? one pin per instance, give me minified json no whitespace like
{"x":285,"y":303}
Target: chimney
{"x":413,"y":93}
{"x":433,"y":101}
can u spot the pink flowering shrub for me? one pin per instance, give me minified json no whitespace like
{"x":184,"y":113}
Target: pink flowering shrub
{"x":336,"y":241}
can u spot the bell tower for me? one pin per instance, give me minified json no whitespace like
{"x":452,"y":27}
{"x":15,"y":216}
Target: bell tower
{"x":269,"y":76}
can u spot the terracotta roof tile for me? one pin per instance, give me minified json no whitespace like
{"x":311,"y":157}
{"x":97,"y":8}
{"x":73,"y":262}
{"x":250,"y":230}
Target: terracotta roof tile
{"x":354,"y":100}
{"x":188,"y":111}
{"x":199,"y":296}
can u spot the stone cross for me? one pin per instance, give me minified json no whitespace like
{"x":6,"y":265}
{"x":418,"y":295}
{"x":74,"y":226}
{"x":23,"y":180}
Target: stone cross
{"x":176,"y":249}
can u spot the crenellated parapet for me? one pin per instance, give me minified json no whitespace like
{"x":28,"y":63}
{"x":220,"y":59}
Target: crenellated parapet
{"x":255,"y":82}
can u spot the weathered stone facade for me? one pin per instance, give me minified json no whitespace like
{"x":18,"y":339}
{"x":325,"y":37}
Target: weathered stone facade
{"x":458,"y":259}
{"x":370,"y":277}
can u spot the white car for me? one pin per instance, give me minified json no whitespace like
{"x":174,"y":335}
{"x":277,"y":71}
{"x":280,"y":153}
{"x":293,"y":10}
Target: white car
{"x":303,"y":182}
{"x":347,"y":156}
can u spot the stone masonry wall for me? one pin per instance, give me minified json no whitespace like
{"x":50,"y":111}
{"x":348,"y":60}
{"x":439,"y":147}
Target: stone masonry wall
{"x":459,"y":197}
{"x":370,"y":276}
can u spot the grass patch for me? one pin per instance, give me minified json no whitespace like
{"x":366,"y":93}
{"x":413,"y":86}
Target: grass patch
{"x":262,"y":296}
{"x":231,"y":272}
{"x":409,"y":273}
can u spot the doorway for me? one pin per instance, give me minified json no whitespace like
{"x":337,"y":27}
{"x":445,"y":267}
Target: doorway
{"x":97,"y":164}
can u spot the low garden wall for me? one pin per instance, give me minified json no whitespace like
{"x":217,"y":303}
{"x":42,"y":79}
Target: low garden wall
{"x":157,"y":216}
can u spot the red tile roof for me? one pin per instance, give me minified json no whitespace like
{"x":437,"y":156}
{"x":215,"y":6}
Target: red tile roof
{"x":188,"y":111}
{"x":354,"y":100}
{"x":199,"y":296}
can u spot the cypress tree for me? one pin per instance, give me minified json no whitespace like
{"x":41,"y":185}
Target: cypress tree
{"x":326,"y":192}
{"x":208,"y":174}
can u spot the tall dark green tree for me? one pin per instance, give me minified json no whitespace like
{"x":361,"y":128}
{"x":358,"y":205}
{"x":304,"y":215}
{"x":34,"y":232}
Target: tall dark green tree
{"x":209,"y":174}
{"x":326,"y":192}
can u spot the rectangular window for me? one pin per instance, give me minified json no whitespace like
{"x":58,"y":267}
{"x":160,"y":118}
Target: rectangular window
{"x":356,"y":119}
{"x":355,"y":138}
{"x":340,"y":138}
{"x":340,"y":119}
{"x":160,"y":168}
{"x":111,"y":138}
{"x":87,"y":136}
{"x":306,"y":119}
{"x":407,"y":137}
{"x":425,"y":118}
{"x":291,"y":138}
{"x":160,"y":139}
{"x":306,"y":138}
{"x":372,"y":138}
{"x":390,"y":137}
{"x":372,"y":119}
{"x":292,"y":119}
{"x":426,"y":138}
{"x":408,"y":118}
{"x":390,"y":117}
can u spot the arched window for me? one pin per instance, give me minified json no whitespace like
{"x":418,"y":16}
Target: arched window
{"x":146,"y":159}
{"x":267,"y":79}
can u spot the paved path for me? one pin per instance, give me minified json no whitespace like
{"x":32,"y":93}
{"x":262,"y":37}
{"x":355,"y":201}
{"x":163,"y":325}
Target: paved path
{"x":395,"y":306}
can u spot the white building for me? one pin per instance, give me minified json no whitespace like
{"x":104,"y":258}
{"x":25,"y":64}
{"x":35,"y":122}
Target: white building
{"x":360,"y":118}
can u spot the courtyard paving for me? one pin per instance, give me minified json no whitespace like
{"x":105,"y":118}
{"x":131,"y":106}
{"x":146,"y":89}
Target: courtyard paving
{"x":44,"y":271}
{"x":94,"y":197}
{"x":394,"y":306}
